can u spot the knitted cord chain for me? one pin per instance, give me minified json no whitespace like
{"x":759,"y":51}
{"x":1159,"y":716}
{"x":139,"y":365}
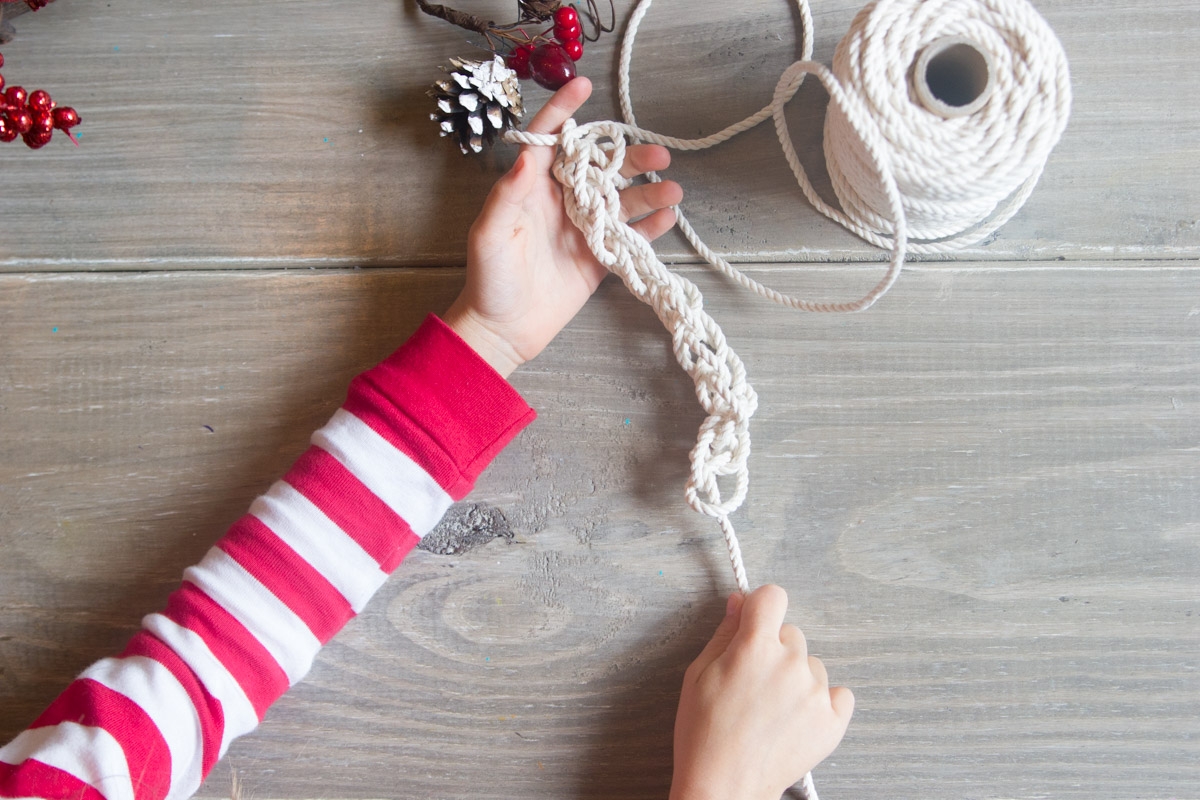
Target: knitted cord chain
{"x":588,"y":167}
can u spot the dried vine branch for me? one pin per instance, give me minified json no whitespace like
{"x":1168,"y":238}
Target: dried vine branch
{"x":593,"y":16}
{"x":530,"y":13}
{"x":460,"y":18}
{"x":537,"y":10}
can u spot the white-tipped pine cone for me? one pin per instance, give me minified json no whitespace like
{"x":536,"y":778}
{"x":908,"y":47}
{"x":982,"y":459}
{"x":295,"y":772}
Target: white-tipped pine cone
{"x":477,"y":101}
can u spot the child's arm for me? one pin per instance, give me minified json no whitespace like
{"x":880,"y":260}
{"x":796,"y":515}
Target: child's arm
{"x":413,"y":435}
{"x":756,"y":712}
{"x":245,"y":625}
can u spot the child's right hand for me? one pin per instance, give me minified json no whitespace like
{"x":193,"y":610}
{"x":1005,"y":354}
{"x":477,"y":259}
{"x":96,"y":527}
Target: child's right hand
{"x":756,"y":712}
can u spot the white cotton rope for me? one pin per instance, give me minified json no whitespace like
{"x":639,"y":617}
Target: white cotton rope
{"x":912,"y":170}
{"x":910,"y":175}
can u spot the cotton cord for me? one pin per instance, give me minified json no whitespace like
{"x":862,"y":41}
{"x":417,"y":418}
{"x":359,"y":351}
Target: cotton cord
{"x":912,"y":171}
{"x":908,"y":177}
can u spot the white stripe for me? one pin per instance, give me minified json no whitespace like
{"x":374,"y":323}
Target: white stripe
{"x":93,"y":755}
{"x":315,"y":538}
{"x":265,"y":616}
{"x":156,"y":691}
{"x":238,"y":711}
{"x":389,"y":473}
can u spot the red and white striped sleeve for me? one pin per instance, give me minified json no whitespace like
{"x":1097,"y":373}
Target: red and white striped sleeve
{"x":413,"y":435}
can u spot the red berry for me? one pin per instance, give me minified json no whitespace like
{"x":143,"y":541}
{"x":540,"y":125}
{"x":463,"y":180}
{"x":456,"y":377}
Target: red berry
{"x":20,"y":119}
{"x":16,"y":96}
{"x":65,"y":118}
{"x":518,"y":61}
{"x":39,"y":100}
{"x":36,"y":138}
{"x":1,"y":86}
{"x":7,"y":131}
{"x":43,"y":120}
{"x":1,"y":59}
{"x":563,"y":16}
{"x":567,"y":32}
{"x":574,"y":49}
{"x":551,"y":66}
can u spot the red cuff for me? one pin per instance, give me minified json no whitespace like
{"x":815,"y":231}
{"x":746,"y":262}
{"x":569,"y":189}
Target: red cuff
{"x":437,"y":400}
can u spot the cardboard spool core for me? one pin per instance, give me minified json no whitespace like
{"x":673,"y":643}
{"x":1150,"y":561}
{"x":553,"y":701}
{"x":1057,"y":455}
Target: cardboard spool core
{"x":952,"y":77}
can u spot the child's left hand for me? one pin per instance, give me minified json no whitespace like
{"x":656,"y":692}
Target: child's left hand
{"x":529,"y":270}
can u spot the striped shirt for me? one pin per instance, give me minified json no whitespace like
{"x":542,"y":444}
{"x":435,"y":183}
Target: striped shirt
{"x":413,"y":435}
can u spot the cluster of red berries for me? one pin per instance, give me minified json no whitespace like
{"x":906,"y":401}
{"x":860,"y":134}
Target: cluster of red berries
{"x":32,"y":115}
{"x":552,"y":63}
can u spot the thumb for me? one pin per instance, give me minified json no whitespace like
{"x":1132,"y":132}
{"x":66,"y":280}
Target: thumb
{"x":725,"y":632}
{"x":842,"y":701}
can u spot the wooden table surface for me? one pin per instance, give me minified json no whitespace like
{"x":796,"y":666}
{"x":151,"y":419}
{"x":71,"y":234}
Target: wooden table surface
{"x":981,"y":495}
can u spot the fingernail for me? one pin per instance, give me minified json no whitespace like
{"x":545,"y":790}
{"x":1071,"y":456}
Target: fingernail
{"x":735,"y":601}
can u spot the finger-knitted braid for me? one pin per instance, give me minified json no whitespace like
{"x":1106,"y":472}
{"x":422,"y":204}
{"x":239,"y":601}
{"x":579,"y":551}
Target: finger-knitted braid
{"x":588,"y":167}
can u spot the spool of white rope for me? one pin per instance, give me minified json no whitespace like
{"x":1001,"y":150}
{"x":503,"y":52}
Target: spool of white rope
{"x":958,"y":168}
{"x":960,"y":175}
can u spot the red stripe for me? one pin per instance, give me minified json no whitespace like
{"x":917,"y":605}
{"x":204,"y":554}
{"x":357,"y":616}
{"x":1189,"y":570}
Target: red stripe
{"x":287,"y":576}
{"x":208,"y":708}
{"x":32,"y":778}
{"x":438,"y":402}
{"x":354,"y":508}
{"x":93,"y":704}
{"x":251,"y":665}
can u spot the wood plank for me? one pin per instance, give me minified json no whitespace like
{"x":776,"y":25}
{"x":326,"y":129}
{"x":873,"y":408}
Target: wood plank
{"x":220,"y":134}
{"x":980,"y":495}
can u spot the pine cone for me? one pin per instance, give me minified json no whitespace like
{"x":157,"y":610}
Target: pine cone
{"x":477,"y":102}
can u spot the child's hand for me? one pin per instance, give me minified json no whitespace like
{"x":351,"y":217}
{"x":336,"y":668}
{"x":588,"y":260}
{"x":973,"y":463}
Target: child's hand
{"x":529,"y":270}
{"x":756,"y":712}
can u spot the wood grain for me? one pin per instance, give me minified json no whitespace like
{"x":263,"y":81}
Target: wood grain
{"x":980,"y":496}
{"x":220,"y":134}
